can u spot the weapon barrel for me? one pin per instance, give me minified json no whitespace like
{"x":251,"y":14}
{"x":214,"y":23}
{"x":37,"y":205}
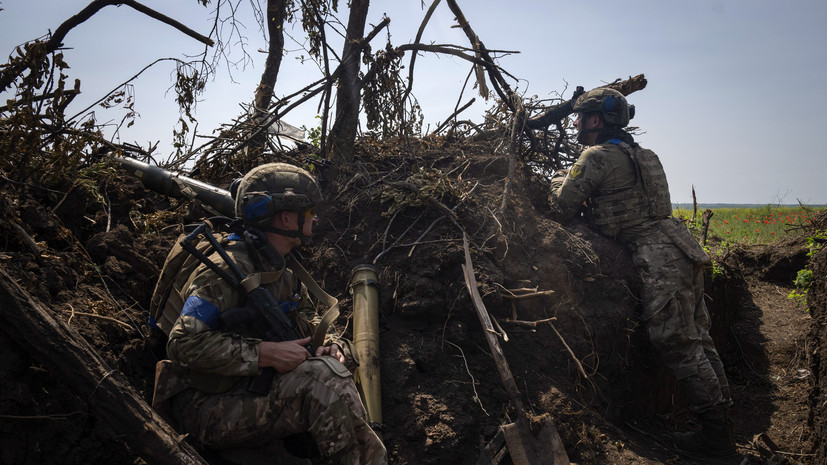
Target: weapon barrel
{"x":176,"y":185}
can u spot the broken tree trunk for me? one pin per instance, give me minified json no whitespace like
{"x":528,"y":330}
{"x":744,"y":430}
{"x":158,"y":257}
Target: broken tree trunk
{"x":72,"y":360}
{"x":707,"y":215}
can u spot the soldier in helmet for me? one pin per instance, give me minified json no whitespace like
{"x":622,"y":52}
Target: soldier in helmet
{"x":623,"y":189}
{"x":212,"y":364}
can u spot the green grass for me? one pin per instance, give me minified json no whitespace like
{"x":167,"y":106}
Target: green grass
{"x":763,"y":225}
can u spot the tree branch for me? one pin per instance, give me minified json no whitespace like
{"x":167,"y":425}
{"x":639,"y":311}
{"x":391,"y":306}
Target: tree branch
{"x":167,"y":20}
{"x":56,"y":40}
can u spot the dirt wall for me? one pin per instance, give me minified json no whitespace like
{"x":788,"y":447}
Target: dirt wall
{"x":817,"y":302}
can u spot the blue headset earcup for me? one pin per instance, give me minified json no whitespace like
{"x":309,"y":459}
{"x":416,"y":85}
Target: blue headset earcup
{"x":257,"y":207}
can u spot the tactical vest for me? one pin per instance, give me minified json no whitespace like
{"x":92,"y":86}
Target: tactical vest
{"x":647,"y":199}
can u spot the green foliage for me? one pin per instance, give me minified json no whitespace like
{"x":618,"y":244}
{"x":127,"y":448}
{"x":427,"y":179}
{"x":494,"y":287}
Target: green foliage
{"x":802,"y":285}
{"x":314,"y":135}
{"x":91,"y":177}
{"x":39,"y":145}
{"x":762,"y":225}
{"x":805,"y":277}
{"x":815,"y":242}
{"x":715,"y":256}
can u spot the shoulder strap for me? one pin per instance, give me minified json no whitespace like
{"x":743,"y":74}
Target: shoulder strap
{"x":331,"y":302}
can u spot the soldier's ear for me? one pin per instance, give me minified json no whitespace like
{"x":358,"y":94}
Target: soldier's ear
{"x":595,"y":121}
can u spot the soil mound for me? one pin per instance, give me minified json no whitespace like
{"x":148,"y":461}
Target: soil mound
{"x":564,"y":296}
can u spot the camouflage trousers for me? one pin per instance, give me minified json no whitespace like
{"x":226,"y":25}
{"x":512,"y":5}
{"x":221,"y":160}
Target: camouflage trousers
{"x":677,"y":323}
{"x":318,"y":397}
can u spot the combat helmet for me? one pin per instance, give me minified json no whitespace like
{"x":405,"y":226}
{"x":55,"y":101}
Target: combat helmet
{"x":272,"y":188}
{"x":611,"y":104}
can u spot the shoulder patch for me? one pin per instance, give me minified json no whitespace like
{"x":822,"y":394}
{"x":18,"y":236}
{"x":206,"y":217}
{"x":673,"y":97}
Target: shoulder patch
{"x":575,"y":171}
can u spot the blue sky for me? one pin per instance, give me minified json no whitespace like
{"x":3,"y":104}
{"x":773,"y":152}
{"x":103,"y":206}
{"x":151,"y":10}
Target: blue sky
{"x":735,"y":103}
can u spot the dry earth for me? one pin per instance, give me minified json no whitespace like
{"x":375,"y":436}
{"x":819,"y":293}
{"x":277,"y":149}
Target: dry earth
{"x":442,"y":398}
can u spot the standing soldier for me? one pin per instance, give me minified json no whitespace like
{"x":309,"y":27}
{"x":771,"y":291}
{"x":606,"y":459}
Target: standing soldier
{"x":626,"y":197}
{"x":216,"y":345}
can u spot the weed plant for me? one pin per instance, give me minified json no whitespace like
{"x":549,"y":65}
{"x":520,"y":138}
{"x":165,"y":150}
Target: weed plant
{"x":763,"y":225}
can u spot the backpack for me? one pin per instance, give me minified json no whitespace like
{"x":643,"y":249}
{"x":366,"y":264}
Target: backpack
{"x":176,"y":275}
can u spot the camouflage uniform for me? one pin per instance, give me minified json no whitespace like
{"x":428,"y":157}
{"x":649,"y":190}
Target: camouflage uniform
{"x":212,"y":366}
{"x":623,"y":190}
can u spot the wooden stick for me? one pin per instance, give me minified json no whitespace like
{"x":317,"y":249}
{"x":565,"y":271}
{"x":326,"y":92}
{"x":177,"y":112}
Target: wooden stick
{"x":496,"y":351}
{"x":574,"y":357}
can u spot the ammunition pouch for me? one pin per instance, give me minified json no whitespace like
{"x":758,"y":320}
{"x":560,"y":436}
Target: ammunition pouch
{"x":335,"y":366}
{"x":684,"y":240}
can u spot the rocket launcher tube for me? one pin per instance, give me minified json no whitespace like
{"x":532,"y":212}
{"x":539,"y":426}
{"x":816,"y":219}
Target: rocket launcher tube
{"x":176,"y":185}
{"x":363,"y":287}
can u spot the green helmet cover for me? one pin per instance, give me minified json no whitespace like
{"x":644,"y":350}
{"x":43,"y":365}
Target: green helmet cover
{"x":611,"y":104}
{"x":274,"y":187}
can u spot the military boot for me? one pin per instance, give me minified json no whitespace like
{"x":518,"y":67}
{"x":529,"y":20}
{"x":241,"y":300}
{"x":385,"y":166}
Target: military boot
{"x":715,"y":437}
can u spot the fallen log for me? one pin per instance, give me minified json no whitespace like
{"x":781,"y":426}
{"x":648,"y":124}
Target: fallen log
{"x":75,"y":363}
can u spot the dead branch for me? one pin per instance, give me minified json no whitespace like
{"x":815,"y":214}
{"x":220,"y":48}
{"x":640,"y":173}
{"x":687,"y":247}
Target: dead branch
{"x":25,"y":238}
{"x":92,"y":315}
{"x":167,"y":20}
{"x":76,"y":364}
{"x":308,"y":92}
{"x":468,"y":370}
{"x":70,"y":94}
{"x":419,"y":33}
{"x":398,"y":238}
{"x":56,"y":39}
{"x":528,"y":296}
{"x":119,"y":86}
{"x":453,"y":115}
{"x":628,"y":86}
{"x":571,"y":352}
{"x":497,"y":80}
{"x":446,"y":49}
{"x":518,"y":121}
{"x":705,"y":217}
{"x":499,"y":329}
{"x":496,"y":351}
{"x":529,"y":324}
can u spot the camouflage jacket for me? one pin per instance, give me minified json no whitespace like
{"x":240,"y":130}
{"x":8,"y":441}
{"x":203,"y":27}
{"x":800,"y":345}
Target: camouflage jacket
{"x":599,"y":170}
{"x":207,"y":355}
{"x":604,"y":169}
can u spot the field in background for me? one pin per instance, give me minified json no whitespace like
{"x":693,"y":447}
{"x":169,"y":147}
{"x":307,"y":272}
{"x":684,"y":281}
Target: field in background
{"x":753,"y":225}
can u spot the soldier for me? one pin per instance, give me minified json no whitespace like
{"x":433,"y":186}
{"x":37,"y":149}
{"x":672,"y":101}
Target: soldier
{"x":206,"y":385}
{"x":626,"y":197}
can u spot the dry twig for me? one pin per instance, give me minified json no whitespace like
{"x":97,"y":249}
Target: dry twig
{"x":473,"y":380}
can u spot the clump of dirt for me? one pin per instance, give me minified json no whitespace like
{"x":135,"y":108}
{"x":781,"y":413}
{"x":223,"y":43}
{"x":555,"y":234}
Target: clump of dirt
{"x":564,"y":296}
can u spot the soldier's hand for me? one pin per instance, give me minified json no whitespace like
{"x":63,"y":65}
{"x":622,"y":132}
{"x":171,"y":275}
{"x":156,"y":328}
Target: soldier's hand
{"x":332,"y":351}
{"x":284,"y":356}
